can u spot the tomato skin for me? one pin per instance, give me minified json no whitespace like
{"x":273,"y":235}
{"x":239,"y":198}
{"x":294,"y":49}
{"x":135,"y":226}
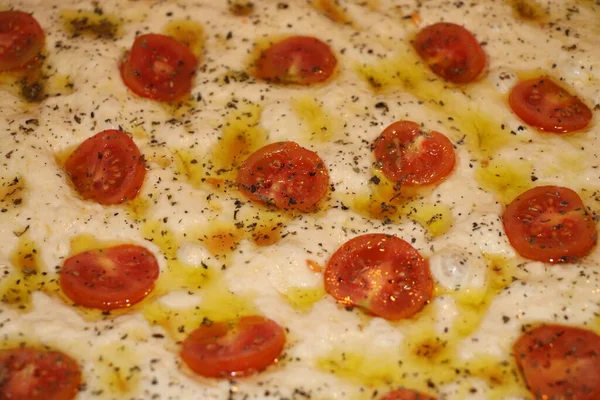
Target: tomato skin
{"x":107,"y":168}
{"x":560,"y":362}
{"x":451,"y":51}
{"x":241,"y":348}
{"x":302,"y":60}
{"x":381,"y":273}
{"x":159,"y":67}
{"x":21,"y":39}
{"x":106,"y":279}
{"x":29,"y":374}
{"x":284,"y":174}
{"x":406,"y":394}
{"x":550,"y":224}
{"x":413,"y":157}
{"x":544,"y":104}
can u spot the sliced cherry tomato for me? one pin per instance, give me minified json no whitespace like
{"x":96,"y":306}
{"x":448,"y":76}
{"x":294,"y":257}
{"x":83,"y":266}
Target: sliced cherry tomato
{"x":381,"y":273}
{"x":412,"y":156}
{"x":284,"y":174}
{"x":21,"y":39}
{"x":550,"y":224}
{"x":159,"y":67}
{"x":451,"y":51}
{"x":302,"y":60}
{"x":28,"y":374}
{"x":239,"y":348}
{"x":107,"y":168}
{"x":406,"y":394}
{"x":106,"y":279}
{"x":544,"y":104}
{"x":560,"y":362}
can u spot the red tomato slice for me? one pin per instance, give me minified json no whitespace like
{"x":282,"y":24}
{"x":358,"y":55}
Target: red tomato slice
{"x":159,"y":67}
{"x":240,"y":348}
{"x":542,"y":103}
{"x":302,"y":60}
{"x":380,"y":273}
{"x":28,"y":374}
{"x":550,"y":224}
{"x":106,"y":279}
{"x":413,"y":157}
{"x":451,"y":51}
{"x":284,"y":174}
{"x":406,"y":394}
{"x":107,"y":168}
{"x":560,"y":362}
{"x":21,"y":39}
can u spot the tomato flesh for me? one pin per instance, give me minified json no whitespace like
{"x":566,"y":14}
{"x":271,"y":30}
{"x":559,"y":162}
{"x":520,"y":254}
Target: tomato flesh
{"x":381,"y":273}
{"x":21,"y":39}
{"x":550,"y":224}
{"x":301,"y":60}
{"x":28,"y":374}
{"x":285,"y":175}
{"x":159,"y":67}
{"x":544,"y":104}
{"x":451,"y":51}
{"x":240,"y":348}
{"x":111,"y":278}
{"x":107,"y":168}
{"x":413,"y":157}
{"x":406,"y":394}
{"x":560,"y":362}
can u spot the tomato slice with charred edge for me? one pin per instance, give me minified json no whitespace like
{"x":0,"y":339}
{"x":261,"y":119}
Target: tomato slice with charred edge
{"x":107,"y":168}
{"x":159,"y":67}
{"x":238,"y":348}
{"x":381,"y":273}
{"x":115,"y":277}
{"x":544,"y":104}
{"x":560,"y":362}
{"x":412,"y":156}
{"x":451,"y":51}
{"x":29,"y":374}
{"x":284,"y":174}
{"x":406,"y":394}
{"x":550,"y":224}
{"x":301,"y":60}
{"x":21,"y":39}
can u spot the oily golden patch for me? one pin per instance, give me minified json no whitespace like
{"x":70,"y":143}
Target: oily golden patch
{"x":528,"y":10}
{"x":303,"y":298}
{"x":26,"y":275}
{"x":217,"y":303}
{"x":188,"y":163}
{"x":219,"y":239}
{"x":12,"y":193}
{"x":190,"y":33}
{"x":436,"y":218}
{"x":28,"y":83}
{"x":319,"y":123}
{"x":116,"y":365}
{"x":87,"y":242}
{"x":505,"y":178}
{"x":59,"y":85}
{"x":95,"y":24}
{"x":390,"y":203}
{"x":333,"y":10}
{"x":241,"y":8}
{"x":241,"y":135}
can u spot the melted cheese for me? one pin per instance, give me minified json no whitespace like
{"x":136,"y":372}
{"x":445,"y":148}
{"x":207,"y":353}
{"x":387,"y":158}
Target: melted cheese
{"x":223,"y":257}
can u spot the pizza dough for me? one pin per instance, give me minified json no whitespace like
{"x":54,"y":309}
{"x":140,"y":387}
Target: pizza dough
{"x":222,"y":256}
